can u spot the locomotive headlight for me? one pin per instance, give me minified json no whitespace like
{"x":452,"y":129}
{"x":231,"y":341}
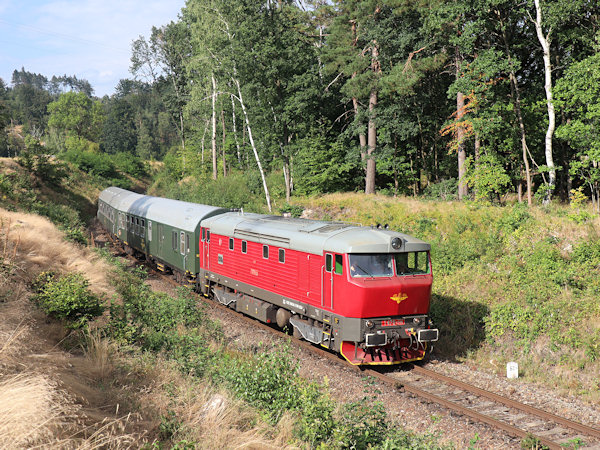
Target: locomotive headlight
{"x":370,"y":324}
{"x":396,"y":243}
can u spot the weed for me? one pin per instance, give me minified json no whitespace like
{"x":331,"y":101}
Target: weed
{"x":66,"y":298}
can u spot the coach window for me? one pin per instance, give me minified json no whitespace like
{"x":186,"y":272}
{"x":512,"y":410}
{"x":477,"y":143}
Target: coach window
{"x":143,"y":228}
{"x":244,"y":247}
{"x":328,"y":262}
{"x":187,"y":243}
{"x":230,"y":243}
{"x":339,"y":264}
{"x":182,"y":242}
{"x":149,"y":230}
{"x":174,"y":240}
{"x":282,"y":255}
{"x":265,"y":251}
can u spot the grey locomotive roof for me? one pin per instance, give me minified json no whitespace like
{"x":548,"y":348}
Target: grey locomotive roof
{"x":182,"y":215}
{"x":310,"y":235}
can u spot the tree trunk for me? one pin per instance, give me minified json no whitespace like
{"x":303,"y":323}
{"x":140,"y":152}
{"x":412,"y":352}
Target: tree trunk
{"x":545,"y":43}
{"x":362,"y":139}
{"x":260,"y":169}
{"x":214,"y":127}
{"x":237,"y":144}
{"x":462,"y":154}
{"x":223,"y":145}
{"x":372,"y":129}
{"x":516,"y":96}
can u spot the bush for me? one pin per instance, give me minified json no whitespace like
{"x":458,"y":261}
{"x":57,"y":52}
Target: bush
{"x":98,"y":164}
{"x":129,"y":164}
{"x":269,"y":382}
{"x":445,"y":190}
{"x":66,"y":298}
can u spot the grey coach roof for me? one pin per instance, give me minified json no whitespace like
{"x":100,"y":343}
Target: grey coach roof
{"x":182,"y":215}
{"x":310,"y":235}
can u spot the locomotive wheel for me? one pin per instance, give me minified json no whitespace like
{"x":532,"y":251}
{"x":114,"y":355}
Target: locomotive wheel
{"x":296,"y":333}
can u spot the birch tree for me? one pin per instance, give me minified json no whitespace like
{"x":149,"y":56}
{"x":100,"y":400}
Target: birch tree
{"x":544,"y":38}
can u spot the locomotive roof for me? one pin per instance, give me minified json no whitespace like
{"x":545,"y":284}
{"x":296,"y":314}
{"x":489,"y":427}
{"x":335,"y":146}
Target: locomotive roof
{"x":310,"y":235}
{"x":182,"y":215}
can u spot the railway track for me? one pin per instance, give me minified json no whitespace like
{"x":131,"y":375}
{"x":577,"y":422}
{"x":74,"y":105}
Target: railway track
{"x":512,"y":417}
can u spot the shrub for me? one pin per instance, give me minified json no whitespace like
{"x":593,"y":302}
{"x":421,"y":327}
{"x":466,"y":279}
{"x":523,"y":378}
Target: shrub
{"x":444,"y":190}
{"x":98,"y":164}
{"x":269,"y":382}
{"x":129,"y":164}
{"x":67,"y":298}
{"x":293,"y":210}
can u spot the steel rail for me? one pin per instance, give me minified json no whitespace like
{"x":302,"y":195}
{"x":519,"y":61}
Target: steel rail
{"x":509,"y":402}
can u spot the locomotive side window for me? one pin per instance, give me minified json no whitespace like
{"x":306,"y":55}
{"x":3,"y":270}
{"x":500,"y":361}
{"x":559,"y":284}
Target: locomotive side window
{"x":244,"y":247}
{"x":328,"y":262}
{"x":282,"y":255}
{"x":231,"y":243}
{"x":203,"y":234}
{"x":207,"y":235}
{"x":412,"y":263}
{"x":339,"y":267}
{"x":265,"y":251}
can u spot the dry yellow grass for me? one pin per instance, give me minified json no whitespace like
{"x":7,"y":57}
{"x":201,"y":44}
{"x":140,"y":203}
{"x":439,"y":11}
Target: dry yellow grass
{"x":39,"y":246}
{"x":31,"y":410}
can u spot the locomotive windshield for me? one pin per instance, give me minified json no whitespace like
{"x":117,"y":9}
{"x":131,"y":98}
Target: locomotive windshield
{"x":371,"y":265}
{"x":412,"y":263}
{"x":385,"y":264}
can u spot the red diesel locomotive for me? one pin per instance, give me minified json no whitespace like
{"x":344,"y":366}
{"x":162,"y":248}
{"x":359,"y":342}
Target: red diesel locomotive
{"x":360,"y":291}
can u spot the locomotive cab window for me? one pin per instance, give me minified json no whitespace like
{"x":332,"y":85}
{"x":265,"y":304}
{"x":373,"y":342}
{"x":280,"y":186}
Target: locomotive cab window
{"x":203,"y":234}
{"x":282,"y":255}
{"x":231,"y":243}
{"x":412,"y":263}
{"x":207,"y":235}
{"x":265,"y":251}
{"x":244,"y":247}
{"x":339,"y":266}
{"x":328,"y":262}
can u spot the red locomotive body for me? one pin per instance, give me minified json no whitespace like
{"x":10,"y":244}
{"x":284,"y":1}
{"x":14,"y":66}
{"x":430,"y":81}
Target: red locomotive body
{"x":371,"y":318}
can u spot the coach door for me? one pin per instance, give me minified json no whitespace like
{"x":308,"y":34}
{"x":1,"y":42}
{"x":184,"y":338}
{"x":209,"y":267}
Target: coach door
{"x":161,"y":239}
{"x":205,"y":251}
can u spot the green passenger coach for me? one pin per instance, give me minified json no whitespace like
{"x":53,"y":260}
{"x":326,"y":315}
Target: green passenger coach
{"x":166,"y":231}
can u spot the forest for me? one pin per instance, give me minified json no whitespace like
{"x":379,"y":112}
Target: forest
{"x":458,"y":100}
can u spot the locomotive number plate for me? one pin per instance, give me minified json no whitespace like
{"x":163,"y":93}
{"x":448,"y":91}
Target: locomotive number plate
{"x":392,"y":323}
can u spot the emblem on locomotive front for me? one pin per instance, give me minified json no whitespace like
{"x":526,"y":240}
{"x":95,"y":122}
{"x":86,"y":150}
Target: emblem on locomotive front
{"x":399,"y":298}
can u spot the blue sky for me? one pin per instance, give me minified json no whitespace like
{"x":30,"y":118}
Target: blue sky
{"x":87,"y":38}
